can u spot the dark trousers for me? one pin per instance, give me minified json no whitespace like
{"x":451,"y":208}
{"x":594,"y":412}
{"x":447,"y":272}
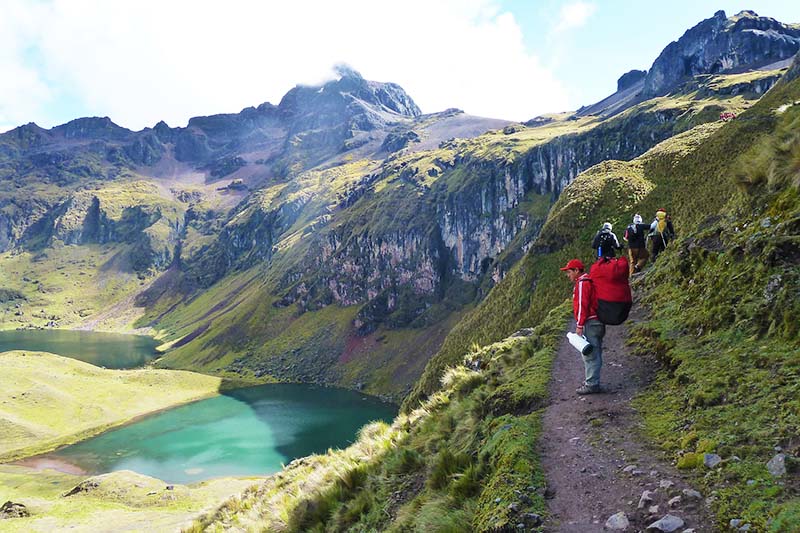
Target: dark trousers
{"x":659,"y":244}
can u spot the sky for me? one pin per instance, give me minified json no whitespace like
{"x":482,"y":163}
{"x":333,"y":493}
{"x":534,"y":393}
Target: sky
{"x":141,"y":61}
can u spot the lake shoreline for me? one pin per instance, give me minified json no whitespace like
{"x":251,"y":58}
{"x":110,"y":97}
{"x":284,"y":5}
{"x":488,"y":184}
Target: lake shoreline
{"x":48,"y":407}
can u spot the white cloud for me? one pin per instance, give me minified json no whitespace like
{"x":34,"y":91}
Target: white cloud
{"x":573,"y":15}
{"x":23,"y":92}
{"x":143,"y":61}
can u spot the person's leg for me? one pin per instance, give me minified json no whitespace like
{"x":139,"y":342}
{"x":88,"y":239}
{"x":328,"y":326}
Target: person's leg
{"x":594,"y":331}
{"x":658,"y":245}
{"x":633,"y":256}
{"x":643,"y":255}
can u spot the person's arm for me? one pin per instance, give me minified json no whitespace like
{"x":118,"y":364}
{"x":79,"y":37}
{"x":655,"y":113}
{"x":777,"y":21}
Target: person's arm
{"x":596,"y":240}
{"x":584,"y":299}
{"x":625,"y":235}
{"x":617,"y":245}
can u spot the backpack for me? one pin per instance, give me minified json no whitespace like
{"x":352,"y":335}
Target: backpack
{"x":610,"y":281}
{"x":606,"y":243}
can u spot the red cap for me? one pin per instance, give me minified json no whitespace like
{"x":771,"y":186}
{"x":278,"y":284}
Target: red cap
{"x":661,"y":209}
{"x":574,"y":263}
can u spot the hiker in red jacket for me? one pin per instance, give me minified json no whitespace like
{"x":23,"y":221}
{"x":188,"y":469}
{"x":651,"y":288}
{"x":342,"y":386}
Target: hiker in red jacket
{"x":584,"y":307}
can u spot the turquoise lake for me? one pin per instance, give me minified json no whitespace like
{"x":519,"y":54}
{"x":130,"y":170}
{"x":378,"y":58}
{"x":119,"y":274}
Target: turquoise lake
{"x":251,"y":431}
{"x":111,"y":350}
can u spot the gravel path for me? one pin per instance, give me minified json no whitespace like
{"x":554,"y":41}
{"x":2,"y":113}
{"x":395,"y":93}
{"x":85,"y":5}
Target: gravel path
{"x":593,"y":453}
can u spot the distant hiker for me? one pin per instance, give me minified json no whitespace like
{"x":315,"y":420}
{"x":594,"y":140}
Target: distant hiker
{"x":661,"y":232}
{"x":605,"y":242}
{"x":584,"y":307}
{"x":636,"y":237}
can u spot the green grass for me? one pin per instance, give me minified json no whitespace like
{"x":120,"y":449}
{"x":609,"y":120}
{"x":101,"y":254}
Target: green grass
{"x":51,"y":401}
{"x":125,"y":499}
{"x":725,"y":315}
{"x":70,"y":285}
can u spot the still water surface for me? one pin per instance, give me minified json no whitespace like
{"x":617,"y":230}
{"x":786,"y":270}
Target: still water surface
{"x":111,"y":350}
{"x":248,"y":431}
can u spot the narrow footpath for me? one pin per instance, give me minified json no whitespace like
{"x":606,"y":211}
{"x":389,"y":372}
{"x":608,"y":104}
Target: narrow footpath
{"x":593,"y":453}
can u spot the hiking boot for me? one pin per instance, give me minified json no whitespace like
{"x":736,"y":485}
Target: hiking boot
{"x":589,"y":389}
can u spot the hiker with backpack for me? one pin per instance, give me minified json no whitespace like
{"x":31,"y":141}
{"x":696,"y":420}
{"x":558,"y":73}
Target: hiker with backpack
{"x":606,"y":242}
{"x":661,"y":232}
{"x":599,"y":298}
{"x":636,"y":237}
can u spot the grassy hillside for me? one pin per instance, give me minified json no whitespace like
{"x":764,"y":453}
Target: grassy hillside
{"x":725,"y":309}
{"x":611,"y":191}
{"x":50,"y":401}
{"x":723,"y":301}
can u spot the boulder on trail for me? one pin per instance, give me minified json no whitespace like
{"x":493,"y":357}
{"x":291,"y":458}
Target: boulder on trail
{"x":646,"y":499}
{"x":666,"y":524}
{"x":618,"y":522}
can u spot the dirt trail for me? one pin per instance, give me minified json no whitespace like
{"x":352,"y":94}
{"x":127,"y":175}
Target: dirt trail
{"x":591,"y":441}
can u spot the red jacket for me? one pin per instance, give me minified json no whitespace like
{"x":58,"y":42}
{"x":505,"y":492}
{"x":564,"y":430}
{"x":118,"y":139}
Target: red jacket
{"x":584,"y":300}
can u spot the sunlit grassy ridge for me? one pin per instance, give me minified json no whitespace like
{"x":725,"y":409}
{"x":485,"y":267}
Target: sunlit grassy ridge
{"x":50,"y":401}
{"x":120,"y":501}
{"x":456,"y":463}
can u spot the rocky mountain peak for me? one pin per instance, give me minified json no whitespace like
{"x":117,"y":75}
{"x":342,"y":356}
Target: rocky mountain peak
{"x":91,"y":128}
{"x":349,"y":94}
{"x":722,"y":44}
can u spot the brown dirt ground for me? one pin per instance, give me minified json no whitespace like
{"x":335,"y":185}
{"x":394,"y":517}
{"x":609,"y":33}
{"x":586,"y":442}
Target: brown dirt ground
{"x":590,"y":440}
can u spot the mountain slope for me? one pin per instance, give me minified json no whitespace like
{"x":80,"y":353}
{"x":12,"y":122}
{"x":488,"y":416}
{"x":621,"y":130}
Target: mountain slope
{"x":351,"y":272}
{"x":723,"y":326}
{"x":336,"y":237}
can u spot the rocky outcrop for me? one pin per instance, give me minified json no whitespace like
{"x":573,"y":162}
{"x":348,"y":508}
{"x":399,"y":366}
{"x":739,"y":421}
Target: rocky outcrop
{"x":94,"y":128}
{"x":630,"y":78}
{"x":13,"y":510}
{"x":721,"y":44}
{"x":248,"y":237}
{"x":397,"y":140}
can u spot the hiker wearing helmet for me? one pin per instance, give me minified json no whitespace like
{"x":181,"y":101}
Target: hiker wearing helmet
{"x":636,"y":237}
{"x":605,"y":242}
{"x":584,"y":307}
{"x":661,"y":232}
